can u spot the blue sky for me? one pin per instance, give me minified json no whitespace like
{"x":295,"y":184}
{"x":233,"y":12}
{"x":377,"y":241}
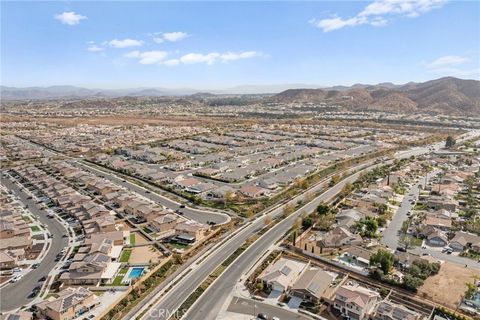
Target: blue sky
{"x":222,"y":44}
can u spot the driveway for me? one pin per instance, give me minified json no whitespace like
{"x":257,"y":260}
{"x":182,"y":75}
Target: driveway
{"x":14,"y":295}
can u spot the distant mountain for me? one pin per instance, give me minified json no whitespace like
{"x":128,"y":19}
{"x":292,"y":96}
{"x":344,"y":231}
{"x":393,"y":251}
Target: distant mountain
{"x":445,"y":95}
{"x":57,"y":92}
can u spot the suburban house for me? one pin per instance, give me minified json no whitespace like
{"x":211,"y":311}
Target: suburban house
{"x":311,"y":284}
{"x":388,"y":310}
{"x":190,"y":231}
{"x":339,"y":237}
{"x":355,"y":301}
{"x":164,"y":222}
{"x":282,"y":274}
{"x":6,"y":261}
{"x":465,"y":240}
{"x":359,"y":256}
{"x":253,"y":191}
{"x":71,"y":303}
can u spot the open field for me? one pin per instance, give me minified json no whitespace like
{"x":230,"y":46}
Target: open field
{"x":448,"y":286}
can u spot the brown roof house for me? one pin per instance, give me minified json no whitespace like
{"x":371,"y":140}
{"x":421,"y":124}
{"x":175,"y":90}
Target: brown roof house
{"x":311,"y":284}
{"x":280,"y":275}
{"x":355,"y":301}
{"x":340,"y":237}
{"x":71,"y":303}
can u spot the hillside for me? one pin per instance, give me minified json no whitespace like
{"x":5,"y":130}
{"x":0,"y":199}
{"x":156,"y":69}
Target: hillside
{"x":446,"y":95}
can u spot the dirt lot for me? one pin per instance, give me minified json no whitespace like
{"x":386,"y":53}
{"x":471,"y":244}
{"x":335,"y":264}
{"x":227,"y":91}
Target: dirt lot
{"x":448,"y":286}
{"x":145,"y":254}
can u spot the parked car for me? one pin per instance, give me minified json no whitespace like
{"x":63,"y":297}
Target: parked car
{"x":262,"y":316}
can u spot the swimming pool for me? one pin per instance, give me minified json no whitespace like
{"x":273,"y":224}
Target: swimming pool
{"x":135,"y":272}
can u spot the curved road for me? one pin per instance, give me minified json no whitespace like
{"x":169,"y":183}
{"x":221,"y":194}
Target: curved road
{"x":202,"y":216}
{"x":14,"y":295}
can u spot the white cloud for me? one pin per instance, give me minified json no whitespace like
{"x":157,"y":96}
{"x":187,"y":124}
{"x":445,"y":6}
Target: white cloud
{"x":70,"y":18}
{"x":232,"y":56}
{"x":192,"y":58}
{"x":172,"y":62}
{"x":337,"y":23}
{"x":152,"y":57}
{"x":158,"y":57}
{"x":158,"y":40}
{"x":379,"y":12}
{"x":125,"y":43}
{"x":447,"y":61}
{"x":95,"y":48}
{"x":174,"y":36}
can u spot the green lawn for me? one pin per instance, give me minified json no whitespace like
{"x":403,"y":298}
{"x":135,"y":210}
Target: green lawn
{"x":125,"y":255}
{"x":35,"y":228}
{"x":179,"y":245}
{"x":118,"y":279}
{"x":146,"y":229}
{"x":27,"y":219}
{"x":132,"y":238}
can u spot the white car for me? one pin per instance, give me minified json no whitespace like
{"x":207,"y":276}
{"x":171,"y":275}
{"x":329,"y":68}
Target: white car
{"x":16,"y":278}
{"x":17,"y":269}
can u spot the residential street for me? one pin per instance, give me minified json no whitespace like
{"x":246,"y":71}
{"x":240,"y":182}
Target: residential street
{"x":202,"y":216}
{"x":14,"y":295}
{"x":391,"y":235}
{"x":253,"y":308}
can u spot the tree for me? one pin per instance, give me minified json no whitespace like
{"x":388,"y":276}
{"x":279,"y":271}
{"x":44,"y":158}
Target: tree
{"x":177,"y":258}
{"x":450,"y":142}
{"x":259,"y":286}
{"x":347,"y":188}
{"x":383,"y":259}
{"x":405,"y":241}
{"x":249,"y":213}
{"x":288,"y":209}
{"x":323,"y":209}
{"x":335,"y":179}
{"x":411,"y":282}
{"x":471,"y":289}
{"x":307,"y":222}
{"x":368,"y":227}
{"x":382,"y":208}
{"x":229,"y":195}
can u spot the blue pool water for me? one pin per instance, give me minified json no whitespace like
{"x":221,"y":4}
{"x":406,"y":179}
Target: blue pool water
{"x":135,"y":273}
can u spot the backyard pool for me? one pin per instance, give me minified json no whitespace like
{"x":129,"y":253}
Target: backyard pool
{"x":135,"y":272}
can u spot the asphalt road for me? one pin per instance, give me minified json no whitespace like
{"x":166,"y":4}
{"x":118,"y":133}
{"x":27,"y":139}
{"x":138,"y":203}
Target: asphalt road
{"x":14,"y":295}
{"x":390,"y":237}
{"x":202,"y":216}
{"x":252,"y":307}
{"x":209,"y":304}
